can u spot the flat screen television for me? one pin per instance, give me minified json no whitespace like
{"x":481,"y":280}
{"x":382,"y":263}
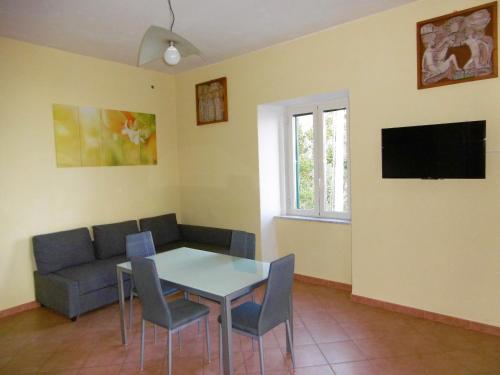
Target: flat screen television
{"x":454,"y":150}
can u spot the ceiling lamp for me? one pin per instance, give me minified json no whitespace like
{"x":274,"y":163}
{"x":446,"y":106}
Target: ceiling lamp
{"x":172,"y":55}
{"x":159,"y":42}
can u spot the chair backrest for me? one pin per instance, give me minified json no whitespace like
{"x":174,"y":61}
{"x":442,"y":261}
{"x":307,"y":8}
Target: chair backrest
{"x":154,"y":307}
{"x":139,"y":245}
{"x":242,"y":244}
{"x":276,"y":304}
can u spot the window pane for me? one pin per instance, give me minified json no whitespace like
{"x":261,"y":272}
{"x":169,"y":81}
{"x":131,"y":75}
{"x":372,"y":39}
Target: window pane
{"x":335,"y":160}
{"x":303,"y":134}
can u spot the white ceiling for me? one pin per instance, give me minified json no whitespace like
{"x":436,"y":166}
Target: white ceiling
{"x":113,"y":29}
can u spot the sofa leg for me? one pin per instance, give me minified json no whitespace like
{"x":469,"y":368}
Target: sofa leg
{"x":73,"y":319}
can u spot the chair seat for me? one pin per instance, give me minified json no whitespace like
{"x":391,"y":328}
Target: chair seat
{"x":245,"y":317}
{"x":184,"y":311}
{"x":166,"y":288}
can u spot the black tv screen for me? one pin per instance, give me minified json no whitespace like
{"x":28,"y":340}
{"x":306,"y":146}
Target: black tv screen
{"x":455,"y":150}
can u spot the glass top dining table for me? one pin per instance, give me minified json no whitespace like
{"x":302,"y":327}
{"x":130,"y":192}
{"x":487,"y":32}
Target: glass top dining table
{"x":219,"y":277}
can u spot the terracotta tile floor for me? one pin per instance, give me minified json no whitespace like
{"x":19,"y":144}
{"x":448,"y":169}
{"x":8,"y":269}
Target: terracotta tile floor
{"x":332,"y":336}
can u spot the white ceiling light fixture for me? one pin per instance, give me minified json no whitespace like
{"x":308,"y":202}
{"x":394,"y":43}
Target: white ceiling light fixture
{"x":159,"y":42}
{"x":172,"y":55}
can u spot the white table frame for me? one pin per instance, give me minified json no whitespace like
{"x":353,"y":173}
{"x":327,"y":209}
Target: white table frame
{"x":224,"y":301}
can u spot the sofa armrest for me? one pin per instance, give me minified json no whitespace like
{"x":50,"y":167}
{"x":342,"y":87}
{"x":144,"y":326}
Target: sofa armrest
{"x":57,"y":293}
{"x":242,"y":244}
{"x":208,"y":235}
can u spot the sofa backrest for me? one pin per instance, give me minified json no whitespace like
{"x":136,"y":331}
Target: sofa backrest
{"x":207,"y":235}
{"x":55,"y":251}
{"x":164,"y":228}
{"x":109,"y":239}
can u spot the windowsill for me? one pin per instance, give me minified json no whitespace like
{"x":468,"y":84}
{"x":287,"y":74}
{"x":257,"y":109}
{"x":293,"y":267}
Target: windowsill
{"x":313,"y":218}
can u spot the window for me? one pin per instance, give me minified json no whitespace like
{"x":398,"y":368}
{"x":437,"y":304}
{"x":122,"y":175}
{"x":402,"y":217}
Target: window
{"x":317,"y":160}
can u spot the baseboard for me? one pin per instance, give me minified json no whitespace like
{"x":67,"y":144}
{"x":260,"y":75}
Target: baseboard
{"x":323,"y":282}
{"x":436,"y":317}
{"x":18,"y":309}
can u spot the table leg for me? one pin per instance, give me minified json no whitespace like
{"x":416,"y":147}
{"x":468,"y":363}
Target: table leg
{"x":290,"y":314}
{"x":227,"y":347}
{"x":121,"y":300}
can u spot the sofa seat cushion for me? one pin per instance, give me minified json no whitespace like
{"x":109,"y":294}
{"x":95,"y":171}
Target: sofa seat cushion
{"x":163,"y":228}
{"x":55,"y":251}
{"x":193,"y":245}
{"x":109,"y":239}
{"x":95,"y":275}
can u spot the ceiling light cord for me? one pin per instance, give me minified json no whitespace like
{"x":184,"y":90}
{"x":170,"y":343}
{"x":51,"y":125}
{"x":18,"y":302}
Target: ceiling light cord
{"x":172,"y":15}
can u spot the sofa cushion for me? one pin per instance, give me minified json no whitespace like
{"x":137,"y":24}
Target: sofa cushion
{"x":55,"y":251}
{"x":164,"y":228}
{"x":109,"y":239}
{"x":193,"y":245}
{"x":95,"y":275}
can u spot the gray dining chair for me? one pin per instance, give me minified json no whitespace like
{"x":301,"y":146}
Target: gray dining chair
{"x":142,"y":245}
{"x":242,"y":245}
{"x":170,"y":315}
{"x":242,"y":249}
{"x":254,"y":320}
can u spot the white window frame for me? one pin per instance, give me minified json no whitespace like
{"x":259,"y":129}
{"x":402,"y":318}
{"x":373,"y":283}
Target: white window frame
{"x":317,"y":109}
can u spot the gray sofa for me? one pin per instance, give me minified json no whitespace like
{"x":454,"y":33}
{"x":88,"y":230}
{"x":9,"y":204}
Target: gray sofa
{"x":168,"y":235}
{"x":75,"y":274}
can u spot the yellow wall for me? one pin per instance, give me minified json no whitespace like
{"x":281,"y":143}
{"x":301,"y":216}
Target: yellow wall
{"x":432,"y":245}
{"x":35,"y":196}
{"x":321,"y":249}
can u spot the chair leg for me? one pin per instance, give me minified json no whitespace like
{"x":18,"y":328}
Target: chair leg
{"x":253,"y":349}
{"x":131,"y":311}
{"x":199,"y":322}
{"x":290,"y":341}
{"x":179,"y":339}
{"x":220,"y":348}
{"x":207,"y":334}
{"x":169,"y":352}
{"x":261,"y":356}
{"x":143,"y":332}
{"x":154,"y":330}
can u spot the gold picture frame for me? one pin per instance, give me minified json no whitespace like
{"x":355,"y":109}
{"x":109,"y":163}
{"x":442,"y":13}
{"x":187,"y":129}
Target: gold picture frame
{"x":211,"y":101}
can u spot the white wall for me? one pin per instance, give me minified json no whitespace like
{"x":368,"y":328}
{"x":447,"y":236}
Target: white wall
{"x":270,"y":123}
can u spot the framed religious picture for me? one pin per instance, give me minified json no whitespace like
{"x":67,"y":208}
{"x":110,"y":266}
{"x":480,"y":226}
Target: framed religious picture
{"x":211,"y":101}
{"x":458,"y":47}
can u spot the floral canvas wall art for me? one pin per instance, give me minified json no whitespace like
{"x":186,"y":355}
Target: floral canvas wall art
{"x":90,"y":137}
{"x":458,"y":47}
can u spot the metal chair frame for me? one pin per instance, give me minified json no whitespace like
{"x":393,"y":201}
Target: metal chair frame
{"x":169,"y":340}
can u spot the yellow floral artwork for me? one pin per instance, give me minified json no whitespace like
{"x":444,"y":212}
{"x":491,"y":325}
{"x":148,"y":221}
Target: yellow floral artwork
{"x":92,"y":137}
